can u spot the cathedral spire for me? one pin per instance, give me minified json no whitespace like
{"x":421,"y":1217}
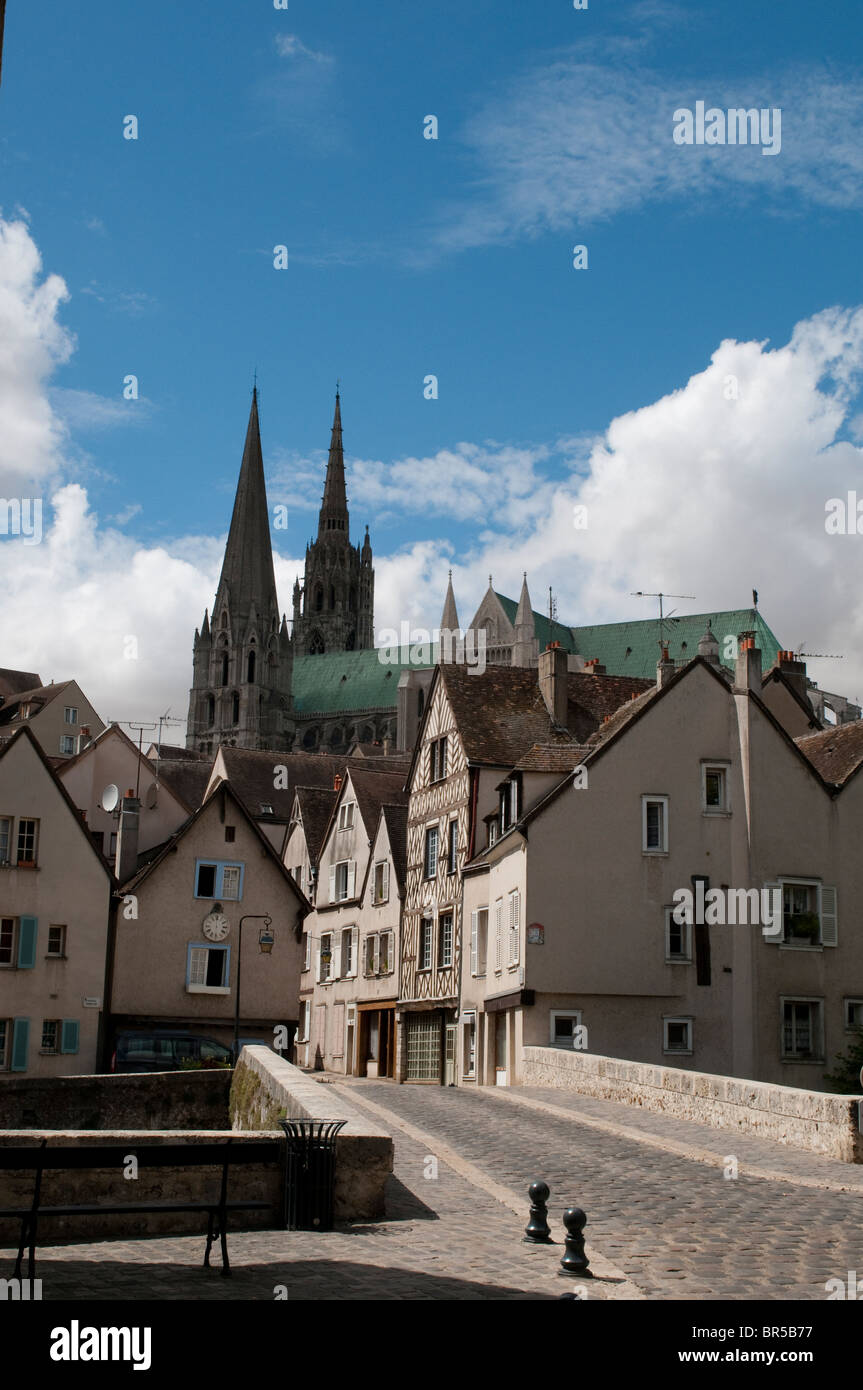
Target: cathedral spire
{"x":333,"y":521}
{"x":449,"y":617}
{"x":247,"y":575}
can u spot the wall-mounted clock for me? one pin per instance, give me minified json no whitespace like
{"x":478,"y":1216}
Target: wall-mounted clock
{"x":216,"y":926}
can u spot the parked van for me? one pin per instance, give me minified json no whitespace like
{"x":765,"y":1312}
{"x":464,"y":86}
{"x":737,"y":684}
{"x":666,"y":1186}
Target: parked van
{"x":166,"y":1051}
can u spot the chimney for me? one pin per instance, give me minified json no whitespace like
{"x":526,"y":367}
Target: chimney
{"x":747,"y":671}
{"x":594,"y":667}
{"x":664,"y":669}
{"x":794,"y":672}
{"x":337,"y":782}
{"x":126,"y":857}
{"x":553,"y":682}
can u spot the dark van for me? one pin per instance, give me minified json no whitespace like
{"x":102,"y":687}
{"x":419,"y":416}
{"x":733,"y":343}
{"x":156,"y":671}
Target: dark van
{"x":165,"y":1051}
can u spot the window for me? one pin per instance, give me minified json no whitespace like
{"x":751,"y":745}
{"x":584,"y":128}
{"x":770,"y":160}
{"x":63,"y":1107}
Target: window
{"x":437,"y":760}
{"x":498,"y":936}
{"x":343,"y":880}
{"x":478,"y":940}
{"x":801,"y":1030}
{"x":5,"y":838}
{"x":267,"y":808}
{"x":381,"y":890}
{"x":56,"y":941}
{"x":654,"y":824}
{"x":714,"y":788}
{"x":307,"y":950}
{"x":207,"y":969}
{"x":492,"y":832}
{"x":112,"y":845}
{"x":853,"y":1014}
{"x":445,"y":940}
{"x":386,"y":953}
{"x":27,"y":837}
{"x":325,"y":971}
{"x":346,"y":815}
{"x":452,"y":848}
{"x":677,"y":1035}
{"x":70,"y":715}
{"x":468,"y":1052}
{"x":349,"y":949}
{"x":250,"y":668}
{"x":514,"y":927}
{"x":50,"y":1034}
{"x":298,"y":874}
{"x":510,"y":802}
{"x":303,"y":1029}
{"x":808,"y":913}
{"x":371,"y":967}
{"x":562,"y":1025}
{"x":430,"y":866}
{"x":216,"y":879}
{"x":230,"y":834}
{"x":425,"y":951}
{"x":678,"y":939}
{"x":67,"y":744}
{"x":7,"y":941}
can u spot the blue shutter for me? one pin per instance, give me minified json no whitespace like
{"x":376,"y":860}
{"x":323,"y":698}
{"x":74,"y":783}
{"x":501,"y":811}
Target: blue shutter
{"x":69,"y":1035}
{"x":20,"y":1043}
{"x":27,"y":942}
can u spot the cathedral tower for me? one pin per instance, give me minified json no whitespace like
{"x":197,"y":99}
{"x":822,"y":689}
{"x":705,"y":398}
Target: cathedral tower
{"x":334,"y":611}
{"x":242,"y":663}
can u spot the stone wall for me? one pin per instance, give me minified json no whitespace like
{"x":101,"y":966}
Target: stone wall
{"x":146,"y":1100}
{"x":813,"y":1120}
{"x":256,"y":1182}
{"x":266,"y":1089}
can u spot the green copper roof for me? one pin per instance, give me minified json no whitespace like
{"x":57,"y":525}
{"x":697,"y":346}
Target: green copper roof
{"x":339,"y":681}
{"x":632,"y":648}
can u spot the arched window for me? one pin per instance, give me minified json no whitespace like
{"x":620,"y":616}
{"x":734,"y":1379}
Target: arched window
{"x":350,"y":641}
{"x":316,"y":644}
{"x":235,"y":708}
{"x":319,"y":598}
{"x":332,"y":597}
{"x":310,"y":738}
{"x":211,"y":711}
{"x":250,"y":667}
{"x":353,"y":599}
{"x":224,"y":666}
{"x":421,"y":702}
{"x":224,"y":618}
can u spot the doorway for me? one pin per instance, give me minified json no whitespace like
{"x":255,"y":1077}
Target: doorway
{"x":500,"y":1069}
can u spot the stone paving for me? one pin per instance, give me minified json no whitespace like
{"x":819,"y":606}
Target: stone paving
{"x":673,"y":1223}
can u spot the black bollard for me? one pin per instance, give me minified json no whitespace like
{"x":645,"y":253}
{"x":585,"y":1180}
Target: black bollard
{"x":537,"y":1231}
{"x":574,"y":1261}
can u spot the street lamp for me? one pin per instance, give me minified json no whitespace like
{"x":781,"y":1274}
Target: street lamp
{"x":265,"y":943}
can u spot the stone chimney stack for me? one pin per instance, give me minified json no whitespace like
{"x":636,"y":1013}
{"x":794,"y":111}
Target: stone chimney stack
{"x":553,"y":683}
{"x":747,"y":671}
{"x":794,"y":672}
{"x":126,"y":857}
{"x":665,"y":669}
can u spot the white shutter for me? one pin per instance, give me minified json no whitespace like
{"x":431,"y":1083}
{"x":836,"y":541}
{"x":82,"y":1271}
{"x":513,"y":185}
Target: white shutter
{"x":773,"y":940}
{"x":498,"y":934}
{"x":829,"y":923}
{"x":336,"y":962}
{"x":385,"y":882}
{"x":474,"y":942}
{"x":307,"y":959}
{"x":352,"y":877}
{"x":332,"y":883}
{"x":355,"y":947}
{"x":376,"y":958}
{"x":514,"y":927}
{"x":318,"y":964}
{"x":198,"y":965}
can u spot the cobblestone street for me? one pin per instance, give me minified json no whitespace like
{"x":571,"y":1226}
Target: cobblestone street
{"x":663,"y":1221}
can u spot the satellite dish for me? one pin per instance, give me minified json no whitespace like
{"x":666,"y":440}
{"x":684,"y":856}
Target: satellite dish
{"x":151,"y":797}
{"x":110,"y":797}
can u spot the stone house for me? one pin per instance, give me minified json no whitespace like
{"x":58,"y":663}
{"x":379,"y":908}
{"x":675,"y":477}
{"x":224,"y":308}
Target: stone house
{"x":59,"y":715}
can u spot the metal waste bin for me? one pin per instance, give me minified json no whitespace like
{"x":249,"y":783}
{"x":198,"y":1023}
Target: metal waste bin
{"x":310,"y":1173}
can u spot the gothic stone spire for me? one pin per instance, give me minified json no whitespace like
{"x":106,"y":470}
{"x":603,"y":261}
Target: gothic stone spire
{"x":333,"y":521}
{"x":248,"y":579}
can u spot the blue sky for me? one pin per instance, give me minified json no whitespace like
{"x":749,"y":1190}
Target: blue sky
{"x":407,"y":256}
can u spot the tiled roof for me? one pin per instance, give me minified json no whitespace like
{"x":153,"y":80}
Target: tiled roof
{"x":176,"y":754}
{"x":632,"y":648}
{"x":501,"y":713}
{"x":40,"y":694}
{"x":834,"y":752}
{"x":11,"y":682}
{"x":251,"y":775}
{"x":544,"y":757}
{"x":187,"y":780}
{"x":339,"y":682}
{"x":316,"y":806}
{"x":375,"y":789}
{"x":396,"y":818}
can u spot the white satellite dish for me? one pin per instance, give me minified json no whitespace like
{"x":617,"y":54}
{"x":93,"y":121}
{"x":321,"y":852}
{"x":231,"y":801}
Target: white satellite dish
{"x":151,"y":797}
{"x":110,"y":797}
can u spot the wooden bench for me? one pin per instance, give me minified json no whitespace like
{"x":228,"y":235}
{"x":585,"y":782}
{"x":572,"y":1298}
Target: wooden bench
{"x":224,"y":1154}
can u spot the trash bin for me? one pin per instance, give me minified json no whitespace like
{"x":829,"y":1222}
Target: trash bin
{"x":310,"y":1173}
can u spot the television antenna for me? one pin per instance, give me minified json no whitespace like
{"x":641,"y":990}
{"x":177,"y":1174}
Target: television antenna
{"x":663,"y":617}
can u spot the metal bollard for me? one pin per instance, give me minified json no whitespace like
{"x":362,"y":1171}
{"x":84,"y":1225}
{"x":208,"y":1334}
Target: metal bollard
{"x":537,"y":1231}
{"x":574,"y":1261}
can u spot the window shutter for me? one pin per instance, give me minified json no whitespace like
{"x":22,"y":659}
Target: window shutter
{"x":198,"y":965}
{"x":474,"y":942}
{"x":27,"y":942}
{"x":20,"y":1043}
{"x":514,"y":927}
{"x":376,"y":957}
{"x":355,"y":946}
{"x":829,"y":923}
{"x":332,"y":883}
{"x":352,"y":878}
{"x":318,"y":965}
{"x":498,"y":932}
{"x":385,"y":882}
{"x":307,"y":958}
{"x":773,"y":940}
{"x":69,"y":1035}
{"x":336,"y":962}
